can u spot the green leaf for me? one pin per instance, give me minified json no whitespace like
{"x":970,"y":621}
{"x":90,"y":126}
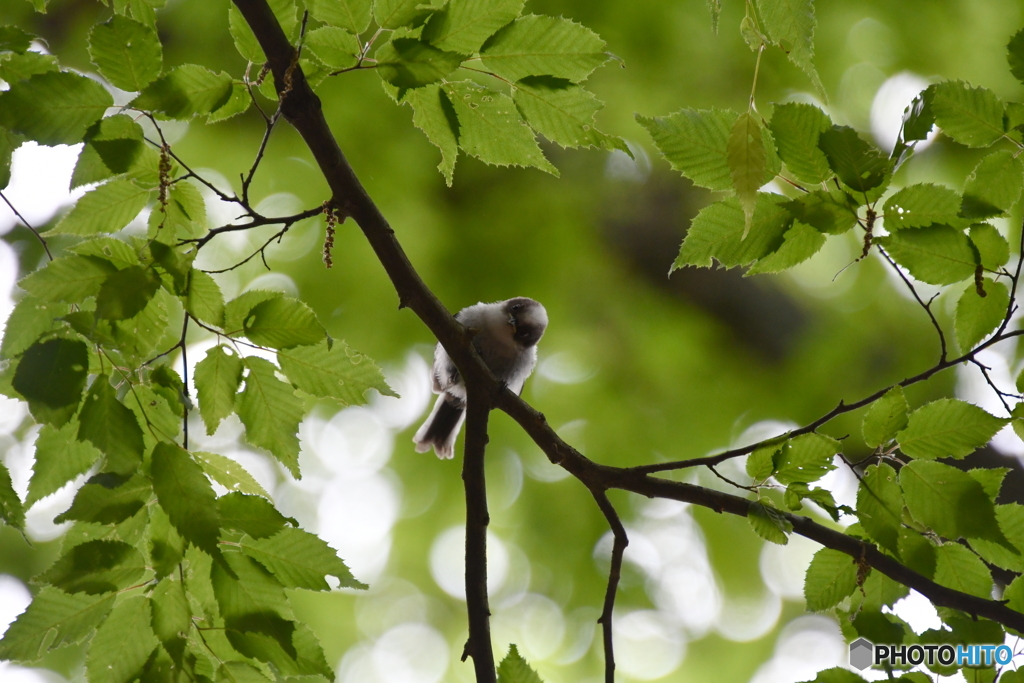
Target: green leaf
{"x":108,"y":498}
{"x":53,"y":619}
{"x":837,"y":675}
{"x":186,"y":495}
{"x":125,"y":293}
{"x":183,"y":217}
{"x":412,"y":63}
{"x":229,"y":474}
{"x":243,"y":37}
{"x":563,"y":113}
{"x":463,"y":25}
{"x":184,"y":92}
{"x":166,"y":546}
{"x":8,"y":143}
{"x":51,"y":376}
{"x":252,"y":591}
{"x":96,"y":567}
{"x":796,"y":128}
{"x":14,"y":39}
{"x":919,"y":205}
{"x":240,"y":672}
{"x":880,"y":505}
{"x":917,"y":552}
{"x":991,"y":479}
{"x":113,"y":145}
{"x":769,"y":523}
{"x":434,"y":114}
{"x":805,"y":458}
{"x":390,"y":14}
{"x":109,"y":248}
{"x":994,"y":186}
{"x":976,"y":316}
{"x":282,"y":322}
{"x":53,"y":108}
{"x":122,"y":643}
{"x":12,"y":511}
{"x":335,"y":47}
{"x":971,"y":116}
{"x":204,"y":299}
{"x":59,"y":458}
{"x":885,"y":418}
{"x":108,"y":208}
{"x":217,"y":378}
{"x":879,"y":591}
{"x":15,"y":67}
{"x":69,"y":278}
{"x":299,"y":559}
{"x":801,"y":242}
{"x":253,"y":515}
{"x":790,"y":23}
{"x":238,"y":103}
{"x":860,"y":166}
{"x":333,"y":371}
{"x":351,"y":15}
{"x":823,"y":211}
{"x":237,"y":310}
{"x":171,"y":612}
{"x":960,"y":569}
{"x":717,"y":233}
{"x":28,"y":321}
{"x":695,"y":143}
{"x":949,"y":501}
{"x":948,"y":428}
{"x":761,"y":463}
{"x":514,"y":669}
{"x":491,"y":129}
{"x":271,"y":413}
{"x":539,"y":45}
{"x":1015,"y":55}
{"x":938,"y":254}
{"x":127,"y":53}
{"x":831,"y":576}
{"x":747,"y":160}
{"x":111,"y":427}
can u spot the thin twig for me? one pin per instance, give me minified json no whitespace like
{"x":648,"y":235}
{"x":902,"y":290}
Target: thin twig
{"x":926,"y":306}
{"x":28,"y":225}
{"x":256,"y":222}
{"x":619,"y":543}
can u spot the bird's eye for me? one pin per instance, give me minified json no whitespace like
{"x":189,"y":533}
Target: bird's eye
{"x":516,"y":307}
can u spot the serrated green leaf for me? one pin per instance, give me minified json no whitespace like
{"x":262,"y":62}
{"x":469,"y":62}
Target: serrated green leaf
{"x":171,"y":612}
{"x":796,"y":128}
{"x":976,"y":316}
{"x":15,"y":67}
{"x":994,"y":186}
{"x":167,"y":548}
{"x":69,"y":278}
{"x":111,"y":426}
{"x":463,"y":25}
{"x":183,"y":217}
{"x":138,"y":337}
{"x":30,"y":319}
{"x":434,"y":114}
{"x":204,"y":299}
{"x":53,"y":619}
{"x":971,"y":116}
{"x":885,"y":418}
{"x":253,"y":515}
{"x":186,"y":496}
{"x":122,"y":643}
{"x":769,"y":523}
{"x":949,"y":501}
{"x":947,"y":428}
{"x":916,"y":206}
{"x":54,"y":108}
{"x":299,"y":559}
{"x":184,"y":92}
{"x":514,"y":669}
{"x":240,"y":672}
{"x":539,"y":45}
{"x":271,"y":412}
{"x":391,"y":14}
{"x":563,"y":113}
{"x":805,"y":458}
{"x":351,"y":15}
{"x":717,"y":233}
{"x":938,"y":254}
{"x":283,"y":322}
{"x":831,"y":576}
{"x":59,"y":458}
{"x":491,"y":129}
{"x":237,"y":310}
{"x":108,"y":498}
{"x":127,"y":53}
{"x":823,"y":211}
{"x":1015,"y":55}
{"x":747,"y":160}
{"x":12,"y":511}
{"x":111,"y":249}
{"x":801,"y":242}
{"x":411,"y":63}
{"x":51,"y":376}
{"x":333,"y":371}
{"x":229,"y":474}
{"x":14,"y":39}
{"x":695,"y":143}
{"x":252,"y":591}
{"x":761,"y":463}
{"x":108,"y":208}
{"x":243,"y":37}
{"x":859,"y":165}
{"x":96,"y":567}
{"x":960,"y":569}
{"x":335,"y":47}
{"x":8,"y":143}
{"x":879,"y":591}
{"x":238,"y":103}
{"x":113,"y":145}
{"x":125,"y":293}
{"x":880,"y":505}
{"x":217,"y":377}
{"x":790,"y":24}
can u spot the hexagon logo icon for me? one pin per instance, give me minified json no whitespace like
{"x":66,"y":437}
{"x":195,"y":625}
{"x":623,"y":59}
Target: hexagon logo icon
{"x":860,"y":653}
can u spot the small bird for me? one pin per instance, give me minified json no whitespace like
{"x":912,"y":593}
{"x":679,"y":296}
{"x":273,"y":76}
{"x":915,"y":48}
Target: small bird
{"x":506,"y":336}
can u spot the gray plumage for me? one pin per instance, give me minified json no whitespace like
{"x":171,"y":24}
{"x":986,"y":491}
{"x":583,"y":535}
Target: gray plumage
{"x":505,"y":335}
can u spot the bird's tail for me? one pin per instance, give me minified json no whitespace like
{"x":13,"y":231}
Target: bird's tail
{"x":441,"y":427}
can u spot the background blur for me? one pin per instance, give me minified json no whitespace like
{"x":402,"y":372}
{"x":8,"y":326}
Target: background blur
{"x":636,"y":366}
